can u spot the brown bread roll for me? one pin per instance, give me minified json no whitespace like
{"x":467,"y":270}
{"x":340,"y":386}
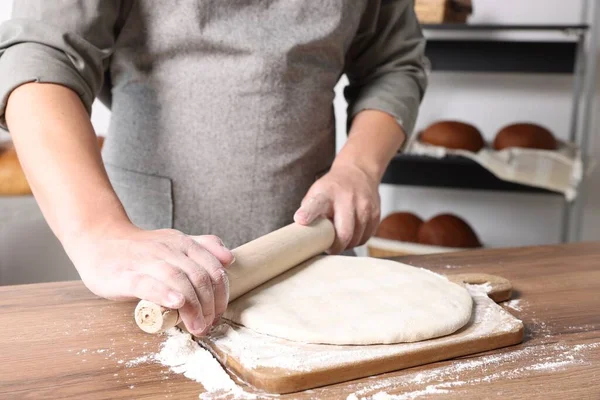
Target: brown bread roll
{"x":525,"y":135}
{"x":453,"y":135}
{"x":402,"y":226}
{"x":12,"y":179}
{"x":448,"y":230}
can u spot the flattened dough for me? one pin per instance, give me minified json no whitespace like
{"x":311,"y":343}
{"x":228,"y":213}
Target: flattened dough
{"x":354,"y":301}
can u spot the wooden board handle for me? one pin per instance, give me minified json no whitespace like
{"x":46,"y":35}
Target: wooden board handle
{"x":255,"y":263}
{"x":499,"y":289}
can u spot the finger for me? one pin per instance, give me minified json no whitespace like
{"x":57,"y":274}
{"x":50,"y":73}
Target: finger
{"x":136,"y":285}
{"x":175,"y":277}
{"x":359,"y":229}
{"x":319,"y":205}
{"x":215,"y":246}
{"x":370,"y":229}
{"x":363,"y":211}
{"x":201,"y":282}
{"x":218,"y":275}
{"x":373,"y":224}
{"x":344,"y":222}
{"x":206,"y":273}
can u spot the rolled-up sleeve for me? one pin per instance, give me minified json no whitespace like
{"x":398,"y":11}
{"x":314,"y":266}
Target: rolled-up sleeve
{"x":65,"y":42}
{"x":386,"y":64}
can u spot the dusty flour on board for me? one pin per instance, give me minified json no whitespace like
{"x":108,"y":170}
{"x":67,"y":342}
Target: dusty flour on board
{"x":258,"y":351}
{"x":479,"y":288}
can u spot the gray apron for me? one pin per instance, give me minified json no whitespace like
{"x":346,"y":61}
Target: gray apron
{"x":222,"y":118}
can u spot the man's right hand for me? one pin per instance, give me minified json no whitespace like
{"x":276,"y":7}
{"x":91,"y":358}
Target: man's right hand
{"x":166,"y":267}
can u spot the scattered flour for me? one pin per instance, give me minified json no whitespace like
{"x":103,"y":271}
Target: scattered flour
{"x":184,"y":356}
{"x":543,"y":358}
{"x":481,"y":287}
{"x":431,"y":389}
{"x":451,"y":266}
{"x":584,"y":328}
{"x":140,"y":360}
{"x":514,"y":304}
{"x":540,"y":328}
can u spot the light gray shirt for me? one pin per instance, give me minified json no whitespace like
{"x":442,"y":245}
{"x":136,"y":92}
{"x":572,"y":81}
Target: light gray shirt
{"x":222,"y":111}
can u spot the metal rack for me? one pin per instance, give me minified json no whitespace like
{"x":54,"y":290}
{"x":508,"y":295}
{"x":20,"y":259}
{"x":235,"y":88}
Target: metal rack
{"x":493,"y":55}
{"x":569,"y":55}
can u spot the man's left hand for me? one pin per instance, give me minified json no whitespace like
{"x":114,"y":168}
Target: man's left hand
{"x":349,"y":196}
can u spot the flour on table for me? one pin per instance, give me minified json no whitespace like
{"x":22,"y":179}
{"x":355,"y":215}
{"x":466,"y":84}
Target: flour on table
{"x":514,"y":304}
{"x":448,"y":266}
{"x":140,"y":360}
{"x":511,"y":364}
{"x":429,"y":390}
{"x":185,"y":356}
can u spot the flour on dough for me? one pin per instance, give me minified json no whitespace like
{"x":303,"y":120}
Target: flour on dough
{"x":354,"y":301}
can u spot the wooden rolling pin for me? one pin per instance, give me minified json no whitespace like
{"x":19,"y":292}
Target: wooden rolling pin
{"x":255,"y":263}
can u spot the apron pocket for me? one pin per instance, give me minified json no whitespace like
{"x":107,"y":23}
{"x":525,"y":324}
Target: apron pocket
{"x":147,"y":199}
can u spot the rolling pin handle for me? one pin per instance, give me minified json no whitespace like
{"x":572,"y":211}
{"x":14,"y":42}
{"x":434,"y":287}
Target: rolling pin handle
{"x":152,"y":318}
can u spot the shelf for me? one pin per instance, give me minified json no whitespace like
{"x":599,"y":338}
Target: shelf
{"x":505,"y":27}
{"x":448,"y":172}
{"x":485,"y":54}
{"x":502,"y":56}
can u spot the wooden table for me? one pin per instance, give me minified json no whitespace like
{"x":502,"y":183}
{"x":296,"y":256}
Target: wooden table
{"x":59,"y":341}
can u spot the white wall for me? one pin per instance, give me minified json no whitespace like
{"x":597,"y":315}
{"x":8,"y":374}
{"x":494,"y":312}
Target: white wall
{"x":491,"y":101}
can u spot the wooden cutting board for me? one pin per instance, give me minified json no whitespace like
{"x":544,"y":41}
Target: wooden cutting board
{"x":280,"y":366}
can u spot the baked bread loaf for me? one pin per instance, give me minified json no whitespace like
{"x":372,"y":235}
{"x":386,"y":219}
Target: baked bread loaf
{"x":453,"y":135}
{"x":402,"y":226}
{"x":525,"y":135}
{"x":12,"y":178}
{"x":448,"y":230}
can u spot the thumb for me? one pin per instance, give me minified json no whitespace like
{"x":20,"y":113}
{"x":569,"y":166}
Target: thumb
{"x":313,"y":208}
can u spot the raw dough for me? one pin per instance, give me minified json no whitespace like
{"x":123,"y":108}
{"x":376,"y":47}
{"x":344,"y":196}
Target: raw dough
{"x":354,"y":301}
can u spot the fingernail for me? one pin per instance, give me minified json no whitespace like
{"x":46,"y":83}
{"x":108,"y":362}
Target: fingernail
{"x":300,"y":216}
{"x":198,"y":326}
{"x":232,"y":261}
{"x":175,"y":299}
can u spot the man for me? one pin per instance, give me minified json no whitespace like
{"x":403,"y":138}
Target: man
{"x":222,"y":124}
